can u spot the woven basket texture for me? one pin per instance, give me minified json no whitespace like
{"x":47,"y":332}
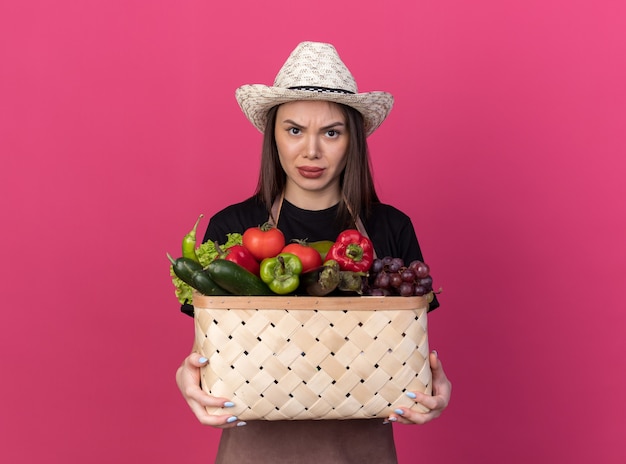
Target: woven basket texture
{"x":297,"y":358}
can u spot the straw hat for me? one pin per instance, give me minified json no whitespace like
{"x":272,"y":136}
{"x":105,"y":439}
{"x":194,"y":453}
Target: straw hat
{"x":313,"y":71}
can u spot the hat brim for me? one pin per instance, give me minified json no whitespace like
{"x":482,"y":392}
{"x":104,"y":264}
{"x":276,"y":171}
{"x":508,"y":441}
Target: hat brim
{"x":256,"y":100}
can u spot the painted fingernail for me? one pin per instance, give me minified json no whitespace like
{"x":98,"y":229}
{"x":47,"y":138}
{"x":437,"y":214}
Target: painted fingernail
{"x":229,"y":404}
{"x":411,"y":395}
{"x":202,"y":360}
{"x":241,"y":424}
{"x":392,"y":419}
{"x":231,"y":419}
{"x":399,"y":411}
{"x":435,"y":353}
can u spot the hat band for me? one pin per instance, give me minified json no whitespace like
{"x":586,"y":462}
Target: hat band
{"x":310,"y":88}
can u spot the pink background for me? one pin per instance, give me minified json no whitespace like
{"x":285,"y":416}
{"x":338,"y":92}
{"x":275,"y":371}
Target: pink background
{"x":118,"y":126}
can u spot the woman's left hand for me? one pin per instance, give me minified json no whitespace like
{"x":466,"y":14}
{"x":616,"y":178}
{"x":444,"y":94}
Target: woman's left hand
{"x":442,"y":389}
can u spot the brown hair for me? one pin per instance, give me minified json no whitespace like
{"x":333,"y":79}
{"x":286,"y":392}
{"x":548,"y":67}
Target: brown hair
{"x":357,"y":182}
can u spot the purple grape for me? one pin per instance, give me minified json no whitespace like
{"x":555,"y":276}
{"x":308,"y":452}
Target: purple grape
{"x":382,"y":280}
{"x":426,"y":282}
{"x":396,"y":264}
{"x":419,"y":290}
{"x":421,"y":269}
{"x":395,"y":280}
{"x":406,"y":289}
{"x":408,"y":275}
{"x":379,"y":292}
{"x":377,"y":266}
{"x":376,"y":292}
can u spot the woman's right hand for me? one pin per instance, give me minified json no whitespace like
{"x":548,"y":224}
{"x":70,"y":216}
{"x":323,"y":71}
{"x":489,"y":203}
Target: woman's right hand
{"x":188,"y":380}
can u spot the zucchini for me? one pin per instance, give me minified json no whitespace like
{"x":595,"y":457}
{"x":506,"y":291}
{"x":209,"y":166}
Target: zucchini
{"x":192,"y":273}
{"x":236,"y":279}
{"x":322,"y":280}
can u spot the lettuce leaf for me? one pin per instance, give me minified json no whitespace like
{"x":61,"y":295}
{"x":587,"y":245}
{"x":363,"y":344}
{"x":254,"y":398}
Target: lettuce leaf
{"x":206,"y":253}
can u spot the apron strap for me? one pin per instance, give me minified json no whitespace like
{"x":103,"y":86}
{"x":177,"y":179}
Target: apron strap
{"x":275,"y":210}
{"x":358,"y":223}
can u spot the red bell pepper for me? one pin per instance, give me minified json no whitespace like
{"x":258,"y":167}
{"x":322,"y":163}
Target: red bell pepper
{"x":353,"y":251}
{"x":239,"y":254}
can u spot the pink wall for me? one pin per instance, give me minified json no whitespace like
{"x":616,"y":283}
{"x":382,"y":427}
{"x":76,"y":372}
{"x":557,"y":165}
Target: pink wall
{"x":118,"y":125}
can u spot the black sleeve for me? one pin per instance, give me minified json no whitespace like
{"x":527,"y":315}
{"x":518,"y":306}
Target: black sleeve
{"x":235,"y":219}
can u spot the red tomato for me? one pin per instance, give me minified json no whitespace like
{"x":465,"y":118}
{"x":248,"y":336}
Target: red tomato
{"x":239,"y":254}
{"x":263,"y":242}
{"x":309,"y":256}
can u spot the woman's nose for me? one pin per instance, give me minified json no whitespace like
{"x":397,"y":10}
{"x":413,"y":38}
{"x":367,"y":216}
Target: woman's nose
{"x":312,"y":149}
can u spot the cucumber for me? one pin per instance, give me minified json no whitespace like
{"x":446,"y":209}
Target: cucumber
{"x":191,"y":272}
{"x":236,"y":279}
{"x":202,"y":282}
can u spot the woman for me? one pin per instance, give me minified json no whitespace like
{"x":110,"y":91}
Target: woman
{"x":315,"y":181}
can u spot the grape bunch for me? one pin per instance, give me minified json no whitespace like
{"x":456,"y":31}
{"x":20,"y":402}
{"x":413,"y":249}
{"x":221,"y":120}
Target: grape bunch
{"x":390,"y":276}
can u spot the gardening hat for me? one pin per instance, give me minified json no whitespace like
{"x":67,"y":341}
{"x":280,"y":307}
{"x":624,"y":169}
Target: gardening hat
{"x":313,"y":71}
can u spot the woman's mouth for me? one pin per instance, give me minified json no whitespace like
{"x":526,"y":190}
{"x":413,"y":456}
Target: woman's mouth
{"x":310,"y":172}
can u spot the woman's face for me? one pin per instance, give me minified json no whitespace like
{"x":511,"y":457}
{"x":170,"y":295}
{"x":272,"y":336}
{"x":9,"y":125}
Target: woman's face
{"x":312,"y":140}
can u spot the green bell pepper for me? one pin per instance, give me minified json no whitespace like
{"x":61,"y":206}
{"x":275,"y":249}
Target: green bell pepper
{"x":281,"y":273}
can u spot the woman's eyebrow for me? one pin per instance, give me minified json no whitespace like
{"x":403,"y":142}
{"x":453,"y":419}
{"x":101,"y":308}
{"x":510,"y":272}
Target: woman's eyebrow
{"x":291,"y":123}
{"x":327,"y":127}
{"x":333,"y":125}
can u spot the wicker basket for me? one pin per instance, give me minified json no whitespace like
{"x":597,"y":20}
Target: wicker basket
{"x":300,"y":357}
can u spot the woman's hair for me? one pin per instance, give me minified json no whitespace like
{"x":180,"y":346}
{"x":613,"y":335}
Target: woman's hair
{"x":356,"y":181}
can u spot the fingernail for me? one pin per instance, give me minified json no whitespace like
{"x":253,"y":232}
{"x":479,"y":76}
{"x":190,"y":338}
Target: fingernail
{"x":231,"y":419}
{"x":229,"y":404}
{"x":202,"y":360}
{"x":435,"y":353}
{"x":392,"y":419}
{"x":241,"y":424}
{"x":411,"y":395}
{"x":399,"y":411}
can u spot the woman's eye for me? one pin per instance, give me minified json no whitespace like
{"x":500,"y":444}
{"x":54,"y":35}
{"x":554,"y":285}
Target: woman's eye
{"x":332,"y":133}
{"x":294,"y":131}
